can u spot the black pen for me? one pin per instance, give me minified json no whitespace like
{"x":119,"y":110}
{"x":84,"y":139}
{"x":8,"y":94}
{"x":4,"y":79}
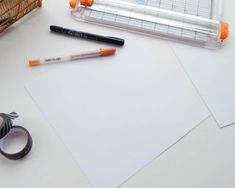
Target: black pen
{"x":89,"y":36}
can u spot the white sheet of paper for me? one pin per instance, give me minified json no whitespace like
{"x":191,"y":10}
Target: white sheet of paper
{"x":116,"y":114}
{"x":210,"y":72}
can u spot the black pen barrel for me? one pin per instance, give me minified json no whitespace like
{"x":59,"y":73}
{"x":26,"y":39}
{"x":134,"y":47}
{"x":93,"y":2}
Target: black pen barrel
{"x":106,"y":39}
{"x":89,"y":36}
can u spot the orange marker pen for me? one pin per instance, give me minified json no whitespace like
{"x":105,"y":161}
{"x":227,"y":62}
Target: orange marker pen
{"x":101,"y":52}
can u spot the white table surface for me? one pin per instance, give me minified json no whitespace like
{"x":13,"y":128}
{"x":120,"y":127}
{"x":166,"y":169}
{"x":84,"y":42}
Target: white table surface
{"x":204,"y":158}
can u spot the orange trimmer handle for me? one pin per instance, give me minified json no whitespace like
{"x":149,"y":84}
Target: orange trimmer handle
{"x":73,"y":3}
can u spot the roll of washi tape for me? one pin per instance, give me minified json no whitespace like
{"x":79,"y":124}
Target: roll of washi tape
{"x":25,"y":150}
{"x":8,"y":131}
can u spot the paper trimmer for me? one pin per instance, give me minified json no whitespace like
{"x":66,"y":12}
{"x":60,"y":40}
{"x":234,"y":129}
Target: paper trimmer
{"x":192,"y":21}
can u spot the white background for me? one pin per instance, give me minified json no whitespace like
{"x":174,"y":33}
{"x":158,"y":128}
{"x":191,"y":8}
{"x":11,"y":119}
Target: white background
{"x":204,"y":158}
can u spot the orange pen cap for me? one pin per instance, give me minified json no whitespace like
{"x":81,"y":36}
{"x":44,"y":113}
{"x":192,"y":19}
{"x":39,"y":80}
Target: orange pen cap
{"x":107,"y":51}
{"x":34,"y":62}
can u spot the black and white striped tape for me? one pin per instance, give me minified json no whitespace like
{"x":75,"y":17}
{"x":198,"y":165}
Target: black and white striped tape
{"x":6,"y":123}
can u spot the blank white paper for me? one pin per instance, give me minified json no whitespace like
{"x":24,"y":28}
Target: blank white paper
{"x":116,"y":114}
{"x":209,"y":71}
{"x":205,"y":69}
